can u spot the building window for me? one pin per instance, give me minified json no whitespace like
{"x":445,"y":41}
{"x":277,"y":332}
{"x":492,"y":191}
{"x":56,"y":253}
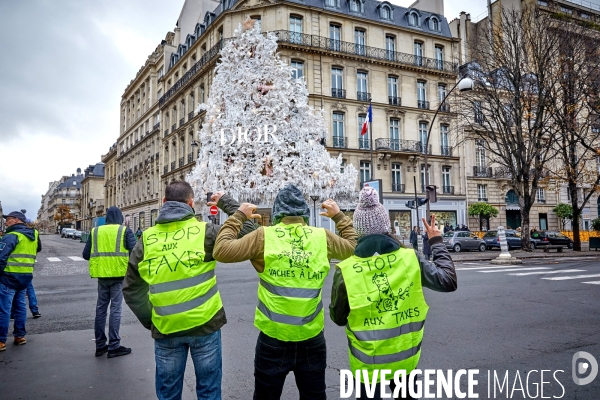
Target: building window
{"x":258,"y":22}
{"x":541,"y":195}
{"x":296,"y":29}
{"x":478,"y":112}
{"x":337,"y":84}
{"x":363,"y":140}
{"x":359,"y":41}
{"x":202,"y":93}
{"x":297,"y":69}
{"x":342,"y":166}
{"x":423,"y":183}
{"x":482,"y":193}
{"x":386,"y":12}
{"x":566,"y":10}
{"x":413,"y":19}
{"x":480,"y":153}
{"x":338,"y":129}
{"x":422,"y":95}
{"x":361,"y":86}
{"x":441,"y":92}
{"x":543,"y":3}
{"x":418,"y":52}
{"x":584,"y":15}
{"x":446,"y":150}
{"x":397,"y":178}
{"x":332,"y":3}
{"x":365,"y":171}
{"x":434,"y":24}
{"x":423,"y":135}
{"x":439,"y":57}
{"x":390,"y":47}
{"x":446,"y":183}
{"x":335,"y":36}
{"x":393,"y":97}
{"x":356,"y":6}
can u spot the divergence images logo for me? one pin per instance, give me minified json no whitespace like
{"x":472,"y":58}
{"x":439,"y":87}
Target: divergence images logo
{"x":581,"y":367}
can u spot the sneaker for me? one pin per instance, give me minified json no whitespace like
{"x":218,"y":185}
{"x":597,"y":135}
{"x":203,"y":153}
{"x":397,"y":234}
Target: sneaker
{"x":36,"y":314}
{"x":101,"y":351}
{"x":2,"y":346}
{"x":121,"y":351}
{"x":20,"y":341}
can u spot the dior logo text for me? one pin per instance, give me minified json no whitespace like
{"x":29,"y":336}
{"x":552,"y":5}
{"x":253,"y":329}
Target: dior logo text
{"x":248,"y":135}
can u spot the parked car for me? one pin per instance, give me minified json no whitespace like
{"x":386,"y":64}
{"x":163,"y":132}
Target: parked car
{"x":461,"y":240}
{"x":513,"y":240}
{"x":76,"y":235}
{"x":552,"y":238}
{"x":69,"y":233}
{"x":65,"y":231}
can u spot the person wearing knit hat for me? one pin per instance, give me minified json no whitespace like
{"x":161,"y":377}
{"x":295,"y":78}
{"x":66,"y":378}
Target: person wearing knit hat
{"x":377,"y":293}
{"x":292,"y":261}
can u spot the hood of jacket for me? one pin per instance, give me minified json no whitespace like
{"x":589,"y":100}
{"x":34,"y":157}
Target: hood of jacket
{"x":114,"y":216}
{"x":24,"y":230}
{"x":174,"y":211}
{"x":290,"y":203}
{"x":376,"y":243}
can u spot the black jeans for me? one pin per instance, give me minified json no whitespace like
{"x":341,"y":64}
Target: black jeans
{"x":274,"y":359}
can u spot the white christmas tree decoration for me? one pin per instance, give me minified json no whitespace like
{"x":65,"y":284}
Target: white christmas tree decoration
{"x":259,"y":132}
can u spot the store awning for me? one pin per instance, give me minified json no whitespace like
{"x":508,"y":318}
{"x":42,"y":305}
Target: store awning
{"x":513,"y":207}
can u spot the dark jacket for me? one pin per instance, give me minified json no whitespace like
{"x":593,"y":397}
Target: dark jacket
{"x":7,"y":245}
{"x":413,"y":237}
{"x":426,"y":246}
{"x":113,"y":216}
{"x":438,"y":275}
{"x":135,"y":289}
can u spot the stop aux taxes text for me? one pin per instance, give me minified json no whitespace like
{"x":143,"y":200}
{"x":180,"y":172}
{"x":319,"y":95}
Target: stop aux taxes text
{"x":378,"y":264}
{"x":298,"y":231}
{"x":169,"y":242}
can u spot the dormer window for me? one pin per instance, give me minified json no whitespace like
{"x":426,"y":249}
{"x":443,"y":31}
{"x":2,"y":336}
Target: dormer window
{"x":434,"y":24}
{"x":332,"y":3}
{"x":413,"y":19}
{"x":356,"y":6}
{"x":386,"y":12}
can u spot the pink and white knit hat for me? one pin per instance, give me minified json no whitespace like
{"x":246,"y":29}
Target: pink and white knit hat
{"x":370,"y":216}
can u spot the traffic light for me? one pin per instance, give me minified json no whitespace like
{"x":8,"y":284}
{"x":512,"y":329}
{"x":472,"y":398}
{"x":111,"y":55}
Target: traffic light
{"x":410,"y":204}
{"x":422,"y":202}
{"x":431,"y":193}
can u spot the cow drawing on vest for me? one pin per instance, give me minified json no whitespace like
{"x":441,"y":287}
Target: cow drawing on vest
{"x":388,"y":301}
{"x":298,"y":257}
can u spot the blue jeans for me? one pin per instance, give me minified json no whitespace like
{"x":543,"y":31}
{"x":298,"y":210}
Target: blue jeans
{"x":171,"y":356}
{"x":109,"y":291}
{"x":32,"y":301}
{"x":6,"y":303}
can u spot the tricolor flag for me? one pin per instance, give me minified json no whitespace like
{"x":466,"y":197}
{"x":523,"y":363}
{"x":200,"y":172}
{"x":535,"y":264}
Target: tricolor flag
{"x":365,"y":127}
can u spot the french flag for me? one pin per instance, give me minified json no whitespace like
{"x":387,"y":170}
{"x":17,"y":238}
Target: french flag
{"x":365,"y":127}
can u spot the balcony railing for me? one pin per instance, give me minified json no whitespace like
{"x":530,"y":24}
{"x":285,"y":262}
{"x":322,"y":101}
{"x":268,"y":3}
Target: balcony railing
{"x":446,"y":151}
{"x":394,"y":101}
{"x":448,"y":189}
{"x":190,"y":157}
{"x":156,"y":126}
{"x":364,"y":144}
{"x":180,"y":162}
{"x":366,"y":51}
{"x":339,"y":141}
{"x":398,"y":187}
{"x":482,"y":172}
{"x":181,"y":122}
{"x":166,"y":169}
{"x":502,"y":172}
{"x":412,"y":146}
{"x":483,"y":199}
{"x":542,"y":201}
{"x":339,"y":93}
{"x":363,"y":96}
{"x":445,"y":107}
{"x":172,"y":165}
{"x":423,"y":104}
{"x":190,"y":115}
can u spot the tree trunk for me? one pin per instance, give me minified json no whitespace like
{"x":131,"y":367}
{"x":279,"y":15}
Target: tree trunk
{"x":525,"y":233}
{"x":572,"y":187}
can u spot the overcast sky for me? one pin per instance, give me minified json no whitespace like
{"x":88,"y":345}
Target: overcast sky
{"x":65,"y":64}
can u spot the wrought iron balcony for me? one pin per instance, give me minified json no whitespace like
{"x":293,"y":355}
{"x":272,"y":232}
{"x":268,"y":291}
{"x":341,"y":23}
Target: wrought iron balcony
{"x":172,"y":165}
{"x":363,"y":96}
{"x":398,"y":187}
{"x":483,"y":199}
{"x":482,"y":172}
{"x":448,"y":189}
{"x":423,"y":149}
{"x":394,"y":101}
{"x":181,"y":122}
{"x":156,"y":126}
{"x":502,"y":172}
{"x":173,"y":127}
{"x":411,"y":146}
{"x":364,"y":143}
{"x":180,"y":162}
{"x":423,"y":104}
{"x":166,"y":169}
{"x":190,"y":115}
{"x":166,"y":132}
{"x":339,"y":142}
{"x":542,"y":201}
{"x":339,"y":93}
{"x":446,"y":151}
{"x":190,"y":157}
{"x":445,"y":107}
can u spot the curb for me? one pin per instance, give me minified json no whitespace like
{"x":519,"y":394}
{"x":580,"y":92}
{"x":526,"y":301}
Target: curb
{"x":553,"y":255}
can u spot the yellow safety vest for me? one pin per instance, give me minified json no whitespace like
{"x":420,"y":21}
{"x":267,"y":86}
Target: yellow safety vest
{"x":22,"y":258}
{"x":108,"y":258}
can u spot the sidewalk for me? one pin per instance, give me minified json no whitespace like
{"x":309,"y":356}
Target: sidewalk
{"x":63,"y":366}
{"x":520,"y":254}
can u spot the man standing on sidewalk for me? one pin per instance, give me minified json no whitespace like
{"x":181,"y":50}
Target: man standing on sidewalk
{"x":108,"y":249}
{"x":18,"y":250}
{"x":292,"y":261}
{"x":171,"y":287}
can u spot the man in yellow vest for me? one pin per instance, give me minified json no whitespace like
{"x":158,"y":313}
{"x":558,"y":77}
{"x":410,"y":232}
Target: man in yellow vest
{"x":108,"y":249}
{"x":18,"y":250}
{"x":378,"y":293}
{"x":292,"y":261}
{"x":171,"y":287}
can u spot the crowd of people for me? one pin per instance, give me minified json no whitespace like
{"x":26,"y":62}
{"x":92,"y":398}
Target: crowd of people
{"x":168,"y":278}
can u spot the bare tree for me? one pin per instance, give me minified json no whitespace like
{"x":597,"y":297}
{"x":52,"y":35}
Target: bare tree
{"x":508,"y":111}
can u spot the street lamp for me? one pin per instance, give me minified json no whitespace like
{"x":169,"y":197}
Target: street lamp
{"x":314,"y":199}
{"x":464,"y":85}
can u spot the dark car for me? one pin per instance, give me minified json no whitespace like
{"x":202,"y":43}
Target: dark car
{"x":461,"y":240}
{"x":551,"y":238}
{"x":492,"y":240}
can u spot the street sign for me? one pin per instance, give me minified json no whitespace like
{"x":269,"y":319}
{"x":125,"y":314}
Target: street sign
{"x":214,"y":210}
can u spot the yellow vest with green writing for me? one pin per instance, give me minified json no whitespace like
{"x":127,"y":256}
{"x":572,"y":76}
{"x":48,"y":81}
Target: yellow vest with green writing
{"x":387,"y":311}
{"x":289,"y":294}
{"x":108,"y":258}
{"x":183,"y":287}
{"x":22,"y":258}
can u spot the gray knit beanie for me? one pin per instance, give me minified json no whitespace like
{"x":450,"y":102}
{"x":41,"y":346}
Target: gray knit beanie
{"x":290,"y":203}
{"x":370,"y":216}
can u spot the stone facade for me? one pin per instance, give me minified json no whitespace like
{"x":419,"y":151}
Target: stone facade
{"x":65,"y":191}
{"x":92,"y":195}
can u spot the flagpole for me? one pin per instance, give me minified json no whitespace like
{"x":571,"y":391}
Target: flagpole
{"x":369,"y":130}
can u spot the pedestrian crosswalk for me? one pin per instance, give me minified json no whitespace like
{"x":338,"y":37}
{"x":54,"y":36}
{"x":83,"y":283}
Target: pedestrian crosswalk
{"x":67,"y":258}
{"x":549,"y":272}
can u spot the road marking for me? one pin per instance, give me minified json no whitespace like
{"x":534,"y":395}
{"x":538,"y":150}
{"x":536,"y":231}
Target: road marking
{"x":53,"y":259}
{"x":548,"y":272}
{"x":562,"y":278}
{"x":471,"y":263}
{"x":515,"y":269}
{"x":593,"y":283}
{"x":75,"y":258}
{"x":496,"y":267}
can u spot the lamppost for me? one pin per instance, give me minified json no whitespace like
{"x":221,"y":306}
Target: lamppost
{"x":464,"y":85}
{"x":314,"y":199}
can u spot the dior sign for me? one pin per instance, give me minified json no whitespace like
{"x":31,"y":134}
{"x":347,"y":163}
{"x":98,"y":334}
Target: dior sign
{"x":252,"y":134}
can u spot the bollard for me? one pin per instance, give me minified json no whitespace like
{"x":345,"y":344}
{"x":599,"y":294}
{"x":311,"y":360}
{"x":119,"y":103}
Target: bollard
{"x":504,"y":253}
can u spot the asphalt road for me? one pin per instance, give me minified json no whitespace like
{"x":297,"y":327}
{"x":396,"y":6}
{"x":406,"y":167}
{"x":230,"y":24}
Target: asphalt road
{"x":516,"y":319}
